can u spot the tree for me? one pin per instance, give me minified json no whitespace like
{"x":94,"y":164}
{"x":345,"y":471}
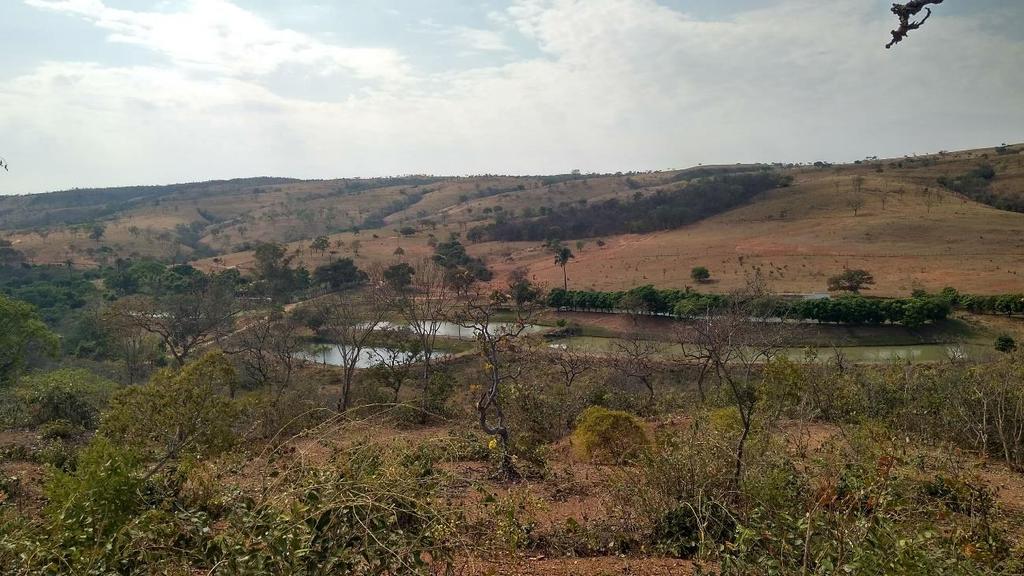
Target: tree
{"x":180,"y":412}
{"x":22,"y":332}
{"x":395,"y":358}
{"x":184,"y":321}
{"x":96,"y":232}
{"x":496,"y":342}
{"x":634,"y":357}
{"x":268,"y":350}
{"x":276,"y":278}
{"x":700,"y":274}
{"x":9,"y":256}
{"x":905,"y":12}
{"x":855,"y":202}
{"x":398,"y":277}
{"x":851,"y":281}
{"x":320,"y":244}
{"x":339,"y":274}
{"x":736,"y":340}
{"x":349,"y":323}
{"x":562,"y":255}
{"x":423,"y":298}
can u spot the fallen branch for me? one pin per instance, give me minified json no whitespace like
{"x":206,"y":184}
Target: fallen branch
{"x":905,"y":12}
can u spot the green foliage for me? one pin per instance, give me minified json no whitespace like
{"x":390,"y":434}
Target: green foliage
{"x":660,"y":210}
{"x":851,"y":281}
{"x":452,"y":256}
{"x":399,"y":276}
{"x":73,"y":396}
{"x":849,"y":309}
{"x":339,"y":274}
{"x":178,"y":413}
{"x":89,"y":505}
{"x":1005,"y":344}
{"x":700,"y":274}
{"x":609,"y":436}
{"x":22,"y":332}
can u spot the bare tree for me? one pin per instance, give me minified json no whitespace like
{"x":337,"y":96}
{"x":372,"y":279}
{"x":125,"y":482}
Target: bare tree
{"x":571,"y":362}
{"x":349,"y":321}
{"x":736,"y":339}
{"x":905,"y":12}
{"x":855,"y":202}
{"x":693,"y":355}
{"x":496,"y":342}
{"x":634,"y":357}
{"x":135,"y":345}
{"x":268,"y":350}
{"x":396,"y":358}
{"x":187,"y":321}
{"x":423,"y":306}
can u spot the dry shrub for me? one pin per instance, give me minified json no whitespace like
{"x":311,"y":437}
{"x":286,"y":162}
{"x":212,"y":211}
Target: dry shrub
{"x":609,"y":436}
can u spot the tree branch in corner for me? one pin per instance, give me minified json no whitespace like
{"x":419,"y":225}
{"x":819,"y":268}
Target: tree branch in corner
{"x":907,"y":11}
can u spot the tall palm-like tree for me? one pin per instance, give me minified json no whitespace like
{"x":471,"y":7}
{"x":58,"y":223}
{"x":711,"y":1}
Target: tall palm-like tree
{"x":562,"y":256}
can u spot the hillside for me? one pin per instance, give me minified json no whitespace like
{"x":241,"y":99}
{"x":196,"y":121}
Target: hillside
{"x":891,"y":217}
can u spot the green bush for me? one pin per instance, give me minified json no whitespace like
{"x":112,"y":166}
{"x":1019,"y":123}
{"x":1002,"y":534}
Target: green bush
{"x":74,"y":396}
{"x":609,"y":436}
{"x":179,"y":413}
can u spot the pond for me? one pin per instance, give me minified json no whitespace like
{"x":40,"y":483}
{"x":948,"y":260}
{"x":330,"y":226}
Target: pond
{"x":452,"y":330}
{"x":330,"y":354}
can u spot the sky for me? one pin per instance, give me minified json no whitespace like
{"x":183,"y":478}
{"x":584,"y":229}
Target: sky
{"x":124,"y":92}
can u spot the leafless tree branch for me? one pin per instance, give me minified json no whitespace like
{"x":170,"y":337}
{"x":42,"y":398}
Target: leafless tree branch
{"x":907,"y":11}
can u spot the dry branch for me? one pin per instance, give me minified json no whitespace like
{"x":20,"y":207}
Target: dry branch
{"x":905,"y":12}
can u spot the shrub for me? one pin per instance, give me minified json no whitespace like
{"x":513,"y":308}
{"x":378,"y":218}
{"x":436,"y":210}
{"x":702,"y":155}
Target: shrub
{"x":700,"y":274}
{"x":74,"y":396}
{"x":609,"y":436}
{"x":184,"y":412}
{"x":1005,"y":344}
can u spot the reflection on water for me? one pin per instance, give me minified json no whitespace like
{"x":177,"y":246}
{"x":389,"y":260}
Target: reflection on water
{"x":368,"y":357}
{"x":450,"y":330}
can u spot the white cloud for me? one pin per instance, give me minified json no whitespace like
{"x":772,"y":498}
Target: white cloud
{"x":479,"y":39}
{"x":218,"y":36}
{"x":619,"y":85}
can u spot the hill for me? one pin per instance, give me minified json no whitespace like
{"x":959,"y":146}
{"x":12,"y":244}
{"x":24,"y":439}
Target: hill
{"x":892,"y":217}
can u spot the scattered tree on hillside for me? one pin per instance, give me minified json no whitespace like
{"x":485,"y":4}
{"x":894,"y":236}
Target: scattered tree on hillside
{"x":9,"y":256}
{"x":320,"y":244}
{"x":905,"y":12}
{"x":274,"y":274}
{"x":96,"y":232}
{"x":855,"y":202}
{"x":562,"y":255}
{"x":851,"y":281}
{"x":700,"y":274}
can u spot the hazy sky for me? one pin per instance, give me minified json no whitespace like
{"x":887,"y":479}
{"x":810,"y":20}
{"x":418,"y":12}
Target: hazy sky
{"x":113,"y":92}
